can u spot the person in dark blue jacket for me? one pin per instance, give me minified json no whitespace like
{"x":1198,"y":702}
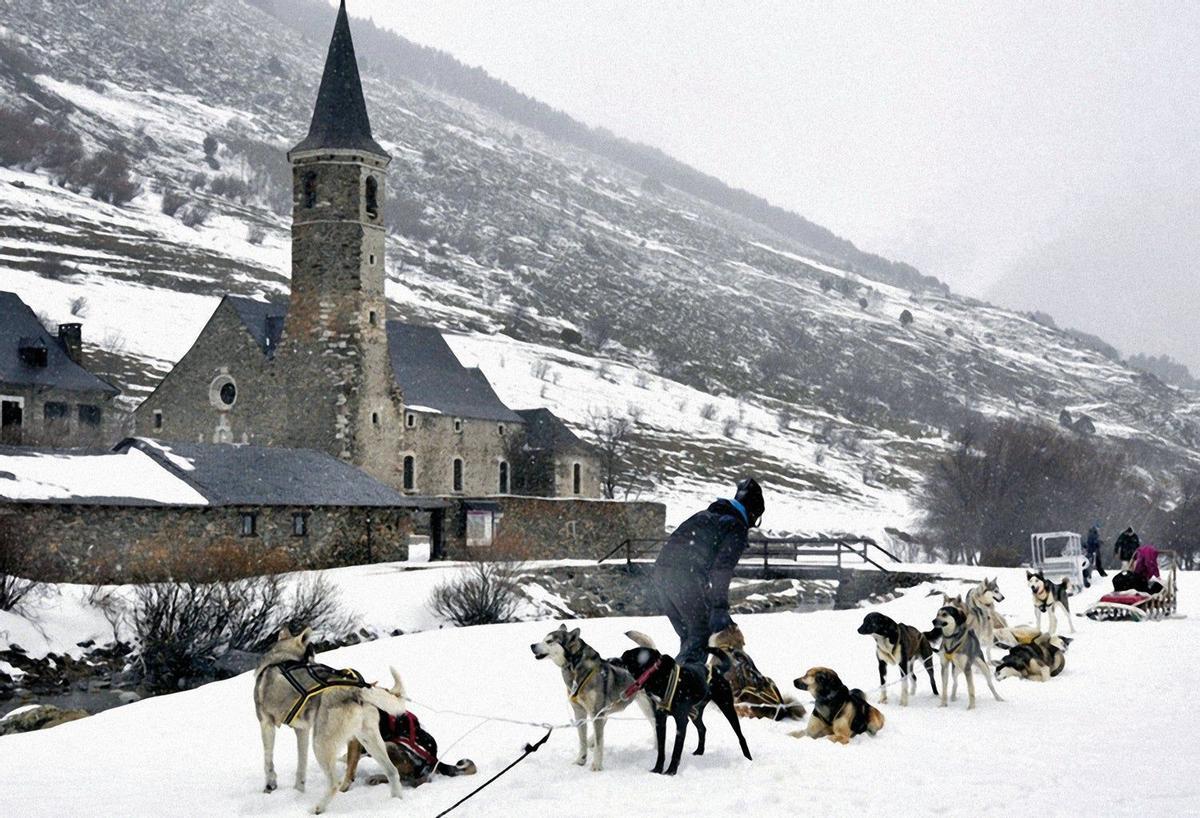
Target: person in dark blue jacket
{"x":695,"y":567}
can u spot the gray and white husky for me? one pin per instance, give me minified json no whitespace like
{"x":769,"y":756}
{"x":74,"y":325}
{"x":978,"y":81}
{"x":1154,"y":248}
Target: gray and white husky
{"x":596,"y":687}
{"x":982,"y":616}
{"x":331,"y":718}
{"x":961,"y":651}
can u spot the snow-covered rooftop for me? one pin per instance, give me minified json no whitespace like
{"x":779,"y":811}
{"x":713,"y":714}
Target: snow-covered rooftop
{"x":107,"y":478}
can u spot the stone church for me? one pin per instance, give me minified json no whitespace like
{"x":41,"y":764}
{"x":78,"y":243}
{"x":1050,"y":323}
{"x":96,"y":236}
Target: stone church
{"x":328,"y":370}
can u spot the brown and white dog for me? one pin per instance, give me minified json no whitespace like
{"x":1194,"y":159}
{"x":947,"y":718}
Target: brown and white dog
{"x":838,"y":713}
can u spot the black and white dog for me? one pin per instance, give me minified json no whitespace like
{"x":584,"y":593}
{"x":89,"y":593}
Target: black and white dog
{"x":681,"y":692}
{"x":1047,"y":596}
{"x":903,"y":646}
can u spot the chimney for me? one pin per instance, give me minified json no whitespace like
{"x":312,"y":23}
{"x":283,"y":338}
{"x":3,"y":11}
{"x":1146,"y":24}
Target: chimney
{"x":70,"y":336}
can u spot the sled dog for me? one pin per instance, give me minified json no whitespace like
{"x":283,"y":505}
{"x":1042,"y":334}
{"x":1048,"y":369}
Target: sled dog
{"x":838,"y":712}
{"x":1039,"y":660}
{"x":331,"y":718}
{"x":961,"y":652}
{"x":903,"y":646}
{"x":410,"y":749}
{"x":1047,"y":597}
{"x":982,"y":615}
{"x":596,"y":688}
{"x":681,"y":692}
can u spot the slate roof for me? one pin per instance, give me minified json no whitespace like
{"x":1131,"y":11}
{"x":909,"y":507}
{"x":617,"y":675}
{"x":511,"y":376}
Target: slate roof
{"x":340,"y":116}
{"x":432,"y":377}
{"x":262,"y":319}
{"x":424,"y":366}
{"x":243,"y":475}
{"x":545,"y":430}
{"x":19,"y":326}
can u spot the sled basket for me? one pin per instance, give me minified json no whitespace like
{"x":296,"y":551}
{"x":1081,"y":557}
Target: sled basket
{"x":1131,"y":606}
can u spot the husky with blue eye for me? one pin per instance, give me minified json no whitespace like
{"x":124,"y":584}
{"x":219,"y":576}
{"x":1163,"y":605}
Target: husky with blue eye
{"x":1048,"y":596}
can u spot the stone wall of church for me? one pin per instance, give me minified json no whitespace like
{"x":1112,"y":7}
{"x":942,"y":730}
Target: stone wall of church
{"x":109,"y":544}
{"x":190,"y":397}
{"x":536,"y":528}
{"x":434,"y":442}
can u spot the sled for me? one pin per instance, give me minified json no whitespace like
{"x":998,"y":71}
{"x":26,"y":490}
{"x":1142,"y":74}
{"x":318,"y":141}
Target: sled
{"x":1069,"y":564}
{"x":1133,"y":606}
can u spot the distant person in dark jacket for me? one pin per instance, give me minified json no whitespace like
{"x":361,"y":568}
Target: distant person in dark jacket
{"x":1091,"y":548}
{"x":1126,"y":545}
{"x":695,"y":567}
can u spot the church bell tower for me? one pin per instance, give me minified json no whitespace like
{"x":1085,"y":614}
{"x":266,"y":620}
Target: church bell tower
{"x":342,"y":397}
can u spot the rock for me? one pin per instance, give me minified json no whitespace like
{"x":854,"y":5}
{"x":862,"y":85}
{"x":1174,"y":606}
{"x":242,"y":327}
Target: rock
{"x":87,"y":643}
{"x":37,"y":717}
{"x":128,"y":697}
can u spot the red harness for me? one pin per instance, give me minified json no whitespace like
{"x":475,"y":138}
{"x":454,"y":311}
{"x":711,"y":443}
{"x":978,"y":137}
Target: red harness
{"x":640,"y":681}
{"x":391,"y":730}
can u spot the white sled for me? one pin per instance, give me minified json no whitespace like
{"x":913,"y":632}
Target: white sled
{"x":1133,"y":606}
{"x":1067,"y":563}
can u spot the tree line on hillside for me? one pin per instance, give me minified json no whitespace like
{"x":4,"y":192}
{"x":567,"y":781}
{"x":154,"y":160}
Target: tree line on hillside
{"x":1004,"y":481}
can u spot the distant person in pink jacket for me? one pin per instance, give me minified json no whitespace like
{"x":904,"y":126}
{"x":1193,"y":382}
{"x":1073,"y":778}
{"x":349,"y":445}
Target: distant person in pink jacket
{"x":1143,"y":572}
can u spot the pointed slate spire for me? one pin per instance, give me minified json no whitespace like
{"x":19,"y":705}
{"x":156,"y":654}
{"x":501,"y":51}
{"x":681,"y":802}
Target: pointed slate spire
{"x":340,"y":117}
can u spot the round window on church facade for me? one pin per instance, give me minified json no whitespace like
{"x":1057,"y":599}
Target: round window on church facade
{"x":223,"y":392}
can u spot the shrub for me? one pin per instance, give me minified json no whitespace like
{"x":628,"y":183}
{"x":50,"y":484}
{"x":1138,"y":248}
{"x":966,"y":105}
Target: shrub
{"x":571,"y":337}
{"x":486,"y":593}
{"x":15,"y":565}
{"x":906,"y":318}
{"x":231,"y":187}
{"x":108,"y":175}
{"x":255,"y":234}
{"x":194,"y":215}
{"x":172,"y":201}
{"x":729,"y":427}
{"x":183,"y":628}
{"x":79,"y":306}
{"x":708,"y":411}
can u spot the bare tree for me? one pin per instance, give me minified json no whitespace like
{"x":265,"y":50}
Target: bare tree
{"x":612,"y":436}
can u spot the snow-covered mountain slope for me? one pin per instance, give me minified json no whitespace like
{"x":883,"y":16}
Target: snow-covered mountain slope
{"x":572,"y":281}
{"x":198,"y":753}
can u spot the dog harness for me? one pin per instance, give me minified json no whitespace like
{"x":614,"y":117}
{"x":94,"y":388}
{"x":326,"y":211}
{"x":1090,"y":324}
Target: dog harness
{"x":404,"y":732}
{"x":950,"y":648}
{"x":640,"y":681}
{"x":311,"y":680}
{"x":574,"y":696}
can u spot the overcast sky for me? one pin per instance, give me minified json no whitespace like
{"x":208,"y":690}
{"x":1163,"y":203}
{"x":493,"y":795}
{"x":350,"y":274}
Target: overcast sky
{"x":1040,"y":155}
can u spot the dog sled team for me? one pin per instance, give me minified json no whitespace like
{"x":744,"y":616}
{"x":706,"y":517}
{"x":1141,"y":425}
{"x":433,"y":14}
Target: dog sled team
{"x":340,"y":713}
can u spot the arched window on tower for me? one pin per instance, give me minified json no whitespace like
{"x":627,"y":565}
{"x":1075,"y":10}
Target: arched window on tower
{"x":310,"y":189}
{"x":503,"y":477}
{"x":372,"y":198}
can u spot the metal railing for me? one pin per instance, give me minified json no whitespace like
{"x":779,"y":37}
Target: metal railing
{"x":780,"y":552}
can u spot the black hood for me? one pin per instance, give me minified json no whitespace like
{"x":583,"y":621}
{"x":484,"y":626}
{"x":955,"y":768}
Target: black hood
{"x":750,"y":495}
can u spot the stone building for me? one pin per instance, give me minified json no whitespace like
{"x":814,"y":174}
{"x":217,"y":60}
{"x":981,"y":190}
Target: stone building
{"x":329,"y":370}
{"x":47,"y":397}
{"x":146,"y":510}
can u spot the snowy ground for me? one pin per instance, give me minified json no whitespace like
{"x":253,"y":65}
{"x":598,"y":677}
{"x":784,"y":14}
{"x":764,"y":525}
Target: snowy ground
{"x":1109,"y":737}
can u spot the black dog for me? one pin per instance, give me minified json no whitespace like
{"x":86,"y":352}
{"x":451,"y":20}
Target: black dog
{"x":903,"y":646}
{"x":693,"y":688}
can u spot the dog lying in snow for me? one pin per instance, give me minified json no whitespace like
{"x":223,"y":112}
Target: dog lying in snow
{"x":331,"y":718}
{"x":410,"y":749}
{"x":838,"y":713}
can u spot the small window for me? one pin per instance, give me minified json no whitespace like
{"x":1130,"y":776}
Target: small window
{"x":481,"y":527}
{"x":458,"y":474}
{"x":372,"y":201}
{"x":458,"y":426}
{"x":228,"y":394}
{"x":503,"y":477}
{"x":372,"y":258}
{"x":410,"y":473}
{"x":410,"y":420}
{"x":34,"y":355}
{"x":300,"y":524}
{"x":577,"y":479}
{"x":371,"y":317}
{"x":310,"y":189}
{"x":89,"y":415}
{"x":249,"y":524}
{"x":375,"y":418}
{"x":53,"y":411}
{"x":500,"y":429}
{"x":157,"y":418}
{"x":223,"y":392}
